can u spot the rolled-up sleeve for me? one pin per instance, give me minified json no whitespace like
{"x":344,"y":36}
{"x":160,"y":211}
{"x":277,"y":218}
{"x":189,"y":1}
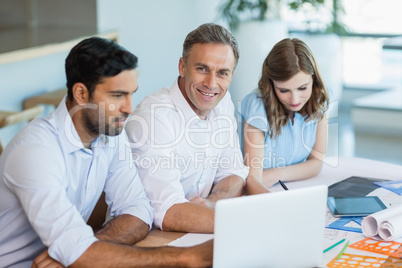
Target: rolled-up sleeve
{"x":39,"y":184}
{"x":162,"y":185}
{"x":124,"y":190}
{"x":159,"y":175}
{"x":252,"y":110}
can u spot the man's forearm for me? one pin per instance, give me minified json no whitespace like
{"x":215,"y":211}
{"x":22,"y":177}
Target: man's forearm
{"x":189,"y":217}
{"x":228,"y":187}
{"x":197,"y":217}
{"x":105,"y":254}
{"x":124,"y":229}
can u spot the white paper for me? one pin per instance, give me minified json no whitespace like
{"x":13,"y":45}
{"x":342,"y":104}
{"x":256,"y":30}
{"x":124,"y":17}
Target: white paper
{"x":191,"y":239}
{"x":384,"y":225}
{"x":391,"y":229}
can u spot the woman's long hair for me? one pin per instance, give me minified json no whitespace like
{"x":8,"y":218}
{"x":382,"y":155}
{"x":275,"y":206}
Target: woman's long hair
{"x":287,"y":58}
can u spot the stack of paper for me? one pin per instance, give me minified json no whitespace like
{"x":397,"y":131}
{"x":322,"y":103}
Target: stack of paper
{"x":384,"y":225}
{"x":191,"y":239}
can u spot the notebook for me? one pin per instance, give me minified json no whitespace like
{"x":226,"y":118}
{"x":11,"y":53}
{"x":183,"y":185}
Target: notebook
{"x":280,"y":229}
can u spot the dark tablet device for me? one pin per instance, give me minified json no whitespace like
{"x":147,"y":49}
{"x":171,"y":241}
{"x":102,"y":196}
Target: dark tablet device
{"x":355,"y":206}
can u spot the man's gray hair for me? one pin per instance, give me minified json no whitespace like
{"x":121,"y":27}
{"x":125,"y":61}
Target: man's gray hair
{"x":210,"y":33}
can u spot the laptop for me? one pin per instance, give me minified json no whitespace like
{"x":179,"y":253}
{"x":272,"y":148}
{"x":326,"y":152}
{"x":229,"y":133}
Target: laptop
{"x":279,"y":229}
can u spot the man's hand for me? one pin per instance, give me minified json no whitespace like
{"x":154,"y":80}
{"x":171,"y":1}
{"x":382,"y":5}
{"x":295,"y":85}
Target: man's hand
{"x":44,"y":260}
{"x":228,"y":187}
{"x":200,"y":255}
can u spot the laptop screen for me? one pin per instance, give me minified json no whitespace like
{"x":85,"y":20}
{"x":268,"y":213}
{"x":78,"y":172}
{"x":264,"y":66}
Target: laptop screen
{"x":281,"y":229}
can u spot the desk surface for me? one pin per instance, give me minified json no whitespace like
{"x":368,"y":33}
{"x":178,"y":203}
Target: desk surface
{"x":393,"y":43}
{"x":158,"y":238}
{"x":334,"y":169}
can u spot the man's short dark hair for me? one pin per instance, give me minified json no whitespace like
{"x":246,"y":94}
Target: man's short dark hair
{"x":94,"y":59}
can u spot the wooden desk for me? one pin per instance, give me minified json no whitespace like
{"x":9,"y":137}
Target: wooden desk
{"x":51,"y":98}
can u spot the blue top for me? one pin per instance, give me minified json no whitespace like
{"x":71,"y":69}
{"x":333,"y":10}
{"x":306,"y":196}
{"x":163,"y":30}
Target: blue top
{"x":50,"y":184}
{"x":292,"y":146}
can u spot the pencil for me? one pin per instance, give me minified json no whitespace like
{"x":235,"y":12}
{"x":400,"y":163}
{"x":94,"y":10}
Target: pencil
{"x":334,"y":245}
{"x":283,"y":185}
{"x":340,"y":254}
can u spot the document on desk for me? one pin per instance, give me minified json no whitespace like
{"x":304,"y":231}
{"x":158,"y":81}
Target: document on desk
{"x":390,"y":199}
{"x":353,"y":186}
{"x":384,"y":225}
{"x":191,"y":239}
{"x":332,"y":234}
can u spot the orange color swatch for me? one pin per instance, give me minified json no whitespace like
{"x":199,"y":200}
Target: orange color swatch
{"x":354,"y":261}
{"x":389,"y":248}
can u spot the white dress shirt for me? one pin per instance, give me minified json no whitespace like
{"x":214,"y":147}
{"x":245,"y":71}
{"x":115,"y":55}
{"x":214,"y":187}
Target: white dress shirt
{"x":180,"y":156}
{"x":50,"y":184}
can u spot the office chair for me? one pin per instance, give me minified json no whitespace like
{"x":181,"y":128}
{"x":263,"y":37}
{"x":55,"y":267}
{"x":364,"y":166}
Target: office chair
{"x":11,"y":118}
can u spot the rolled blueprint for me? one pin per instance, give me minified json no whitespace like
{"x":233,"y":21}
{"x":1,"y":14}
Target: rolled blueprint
{"x":391,"y":229}
{"x":384,"y":225}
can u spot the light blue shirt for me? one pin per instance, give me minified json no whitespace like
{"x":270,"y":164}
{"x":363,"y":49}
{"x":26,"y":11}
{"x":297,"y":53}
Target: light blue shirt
{"x":292,"y":146}
{"x":50,"y":184}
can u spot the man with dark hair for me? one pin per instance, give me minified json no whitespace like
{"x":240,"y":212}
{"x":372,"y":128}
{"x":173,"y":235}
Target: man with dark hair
{"x":184,"y":138}
{"x":53,"y":172}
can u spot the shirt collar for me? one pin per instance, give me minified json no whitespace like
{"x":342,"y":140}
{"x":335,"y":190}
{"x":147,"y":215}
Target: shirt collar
{"x":72,"y":141}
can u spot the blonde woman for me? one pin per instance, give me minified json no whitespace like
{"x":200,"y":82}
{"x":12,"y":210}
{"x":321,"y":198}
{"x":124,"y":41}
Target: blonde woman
{"x":284,"y":125}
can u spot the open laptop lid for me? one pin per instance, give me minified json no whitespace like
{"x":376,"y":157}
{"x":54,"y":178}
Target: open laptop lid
{"x":281,"y":229}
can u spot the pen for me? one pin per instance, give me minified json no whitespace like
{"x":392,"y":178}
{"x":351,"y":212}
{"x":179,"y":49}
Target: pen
{"x":283,"y":185}
{"x":334,"y":245}
{"x":340,"y":254}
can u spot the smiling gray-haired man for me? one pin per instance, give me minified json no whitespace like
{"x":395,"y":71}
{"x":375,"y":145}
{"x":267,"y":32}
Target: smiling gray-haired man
{"x":184,"y":138}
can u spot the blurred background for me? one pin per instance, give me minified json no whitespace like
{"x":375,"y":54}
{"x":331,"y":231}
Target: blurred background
{"x":358,"y":46}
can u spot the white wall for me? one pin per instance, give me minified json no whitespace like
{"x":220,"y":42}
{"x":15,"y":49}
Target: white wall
{"x":23,"y":79}
{"x":153,"y":30}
